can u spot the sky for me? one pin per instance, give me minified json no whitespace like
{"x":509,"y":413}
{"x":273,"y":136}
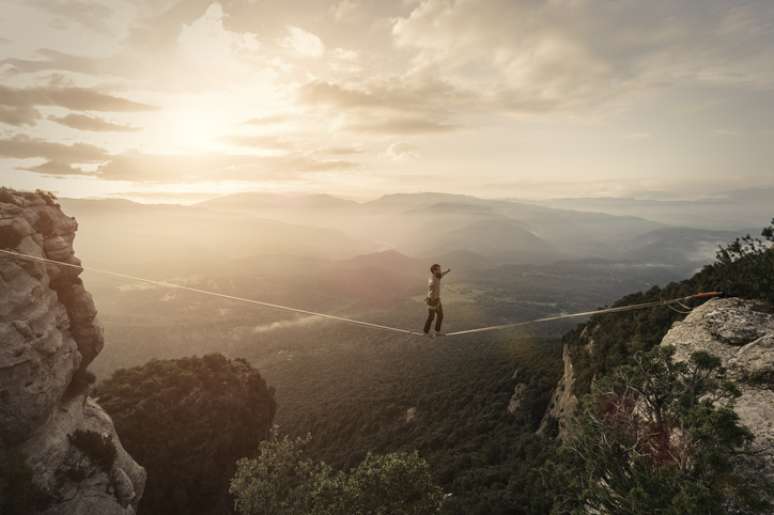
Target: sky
{"x":525,"y":99}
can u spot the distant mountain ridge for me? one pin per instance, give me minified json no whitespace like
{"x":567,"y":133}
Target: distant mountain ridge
{"x":736,"y":209}
{"x":430,"y":223}
{"x":675,"y":244}
{"x":424,"y":226}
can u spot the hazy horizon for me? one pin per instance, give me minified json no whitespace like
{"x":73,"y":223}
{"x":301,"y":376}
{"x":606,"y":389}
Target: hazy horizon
{"x":357,"y":98}
{"x":187,"y":199}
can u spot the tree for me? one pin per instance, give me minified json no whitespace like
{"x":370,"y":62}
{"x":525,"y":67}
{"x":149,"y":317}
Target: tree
{"x":282,"y":480}
{"x":748,"y":264}
{"x":658,"y":436}
{"x":187,"y":421}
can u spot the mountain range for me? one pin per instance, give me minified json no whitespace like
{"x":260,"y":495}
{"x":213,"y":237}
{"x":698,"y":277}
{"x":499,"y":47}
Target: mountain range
{"x":424,"y":226}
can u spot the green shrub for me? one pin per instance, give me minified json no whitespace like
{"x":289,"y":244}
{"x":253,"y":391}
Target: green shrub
{"x":283,"y":480}
{"x":656,"y":436}
{"x":97,"y":447}
{"x":745,"y":267}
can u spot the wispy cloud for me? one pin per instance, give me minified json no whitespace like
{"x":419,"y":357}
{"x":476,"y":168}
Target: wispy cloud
{"x":303,"y":42}
{"x":140,"y":167}
{"x":89,"y":14}
{"x":54,"y":60}
{"x":273,"y":119}
{"x":26,"y":147}
{"x":19,"y":106}
{"x":404,"y":125}
{"x":284,"y":324}
{"x":260,"y":141}
{"x":59,"y":158}
{"x":19,"y":115}
{"x":91,"y":123}
{"x":401,"y":151}
{"x":68,"y":159}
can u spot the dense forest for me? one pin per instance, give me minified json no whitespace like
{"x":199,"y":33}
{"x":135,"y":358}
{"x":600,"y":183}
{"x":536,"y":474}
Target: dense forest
{"x":188,"y":421}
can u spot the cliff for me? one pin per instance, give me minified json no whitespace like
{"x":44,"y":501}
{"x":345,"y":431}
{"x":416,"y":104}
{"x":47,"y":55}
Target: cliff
{"x":740,"y":332}
{"x":51,"y":432}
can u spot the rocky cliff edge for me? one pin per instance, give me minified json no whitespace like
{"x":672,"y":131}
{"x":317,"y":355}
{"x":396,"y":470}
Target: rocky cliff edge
{"x":740,"y":332}
{"x":49,"y":427}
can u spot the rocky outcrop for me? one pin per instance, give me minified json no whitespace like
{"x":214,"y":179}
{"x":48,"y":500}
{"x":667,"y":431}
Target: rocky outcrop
{"x":48,"y":335}
{"x":517,"y":398}
{"x":741,"y":333}
{"x":563,"y":402}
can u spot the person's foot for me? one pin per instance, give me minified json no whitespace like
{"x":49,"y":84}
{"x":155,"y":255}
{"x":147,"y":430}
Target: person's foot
{"x":430,"y":335}
{"x":439,"y":333}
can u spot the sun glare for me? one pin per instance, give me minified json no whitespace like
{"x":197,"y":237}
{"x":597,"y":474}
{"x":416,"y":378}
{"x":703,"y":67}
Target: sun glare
{"x":193,"y":124}
{"x":193,"y":129}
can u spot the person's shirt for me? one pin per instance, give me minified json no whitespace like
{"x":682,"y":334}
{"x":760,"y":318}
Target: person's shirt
{"x":434,"y":287}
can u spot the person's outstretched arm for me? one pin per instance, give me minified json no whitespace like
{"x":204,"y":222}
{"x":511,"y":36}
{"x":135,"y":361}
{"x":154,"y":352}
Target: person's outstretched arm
{"x":446,"y":272}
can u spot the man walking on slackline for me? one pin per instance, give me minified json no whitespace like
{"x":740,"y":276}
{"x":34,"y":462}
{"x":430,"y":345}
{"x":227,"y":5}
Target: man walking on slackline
{"x":433,"y":300}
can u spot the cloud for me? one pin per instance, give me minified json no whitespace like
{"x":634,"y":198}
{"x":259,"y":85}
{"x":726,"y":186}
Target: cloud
{"x":303,"y":43}
{"x":398,"y":94}
{"x":24,"y":147}
{"x":60,"y":159}
{"x":259,"y":141}
{"x":282,"y":324}
{"x":552,"y":55}
{"x":155,"y":32}
{"x":138,"y":167}
{"x":19,"y":115}
{"x":345,"y":10}
{"x":90,"y":14}
{"x":401,"y":152}
{"x":55,"y":60}
{"x":91,"y":123}
{"x":18,"y":106}
{"x":288,"y":146}
{"x":78,"y":99}
{"x":340,"y":151}
{"x":69,"y":159}
{"x":274,"y":119}
{"x":56,"y":168}
{"x":390,"y":106}
{"x":403,"y":125}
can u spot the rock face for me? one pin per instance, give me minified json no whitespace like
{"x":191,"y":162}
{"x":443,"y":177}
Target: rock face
{"x":48,"y":335}
{"x":517,"y":398}
{"x":563,"y":402}
{"x":741,"y":334}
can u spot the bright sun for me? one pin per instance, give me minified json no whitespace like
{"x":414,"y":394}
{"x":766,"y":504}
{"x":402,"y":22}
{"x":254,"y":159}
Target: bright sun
{"x":193,"y":130}
{"x":194,"y":124}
